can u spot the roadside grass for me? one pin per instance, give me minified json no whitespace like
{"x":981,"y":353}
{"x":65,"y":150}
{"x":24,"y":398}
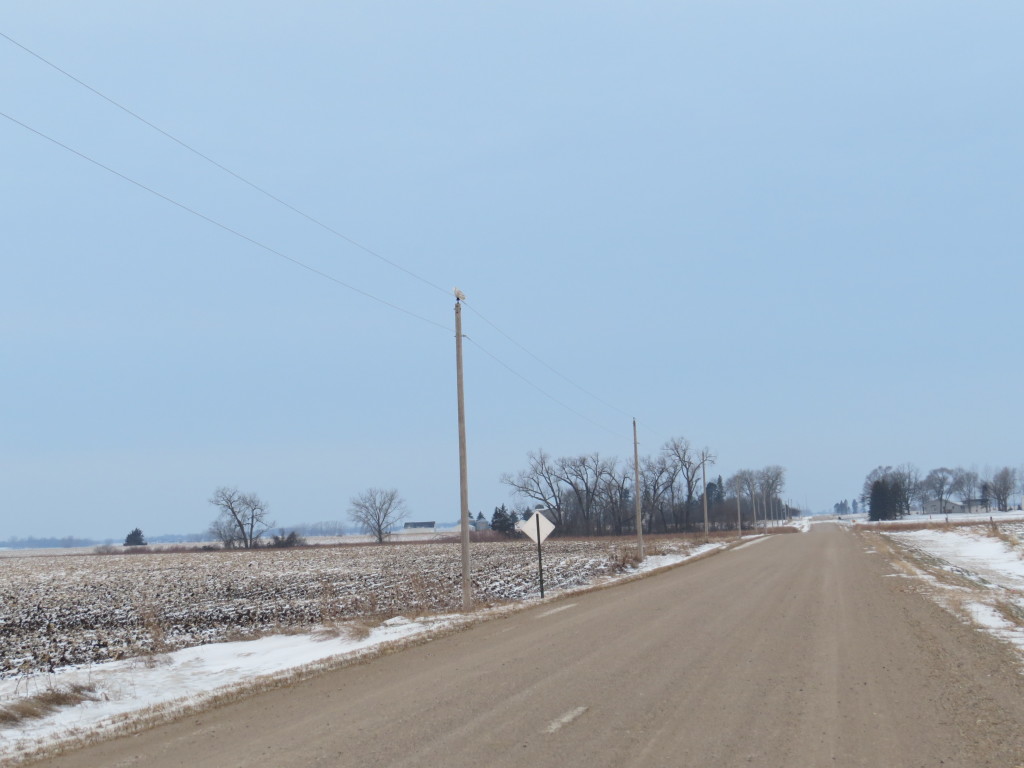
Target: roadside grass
{"x":1008,"y":538}
{"x":895,"y":526}
{"x":43,"y":703}
{"x":958,"y":590}
{"x":1011,"y":612}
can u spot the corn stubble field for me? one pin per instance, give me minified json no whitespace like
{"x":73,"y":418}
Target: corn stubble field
{"x":80,"y":609}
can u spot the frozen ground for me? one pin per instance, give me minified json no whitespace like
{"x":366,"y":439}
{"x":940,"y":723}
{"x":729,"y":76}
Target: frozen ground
{"x":976,"y":571}
{"x":131,"y":690}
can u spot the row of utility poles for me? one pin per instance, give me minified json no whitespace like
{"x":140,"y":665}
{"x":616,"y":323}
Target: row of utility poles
{"x":467,"y":590}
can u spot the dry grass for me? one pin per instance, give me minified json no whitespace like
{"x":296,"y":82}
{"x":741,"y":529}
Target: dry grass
{"x":1011,"y":611}
{"x":627,"y":557}
{"x":1008,"y":538}
{"x":351,"y":630}
{"x":923,"y":525}
{"x":42,"y":704}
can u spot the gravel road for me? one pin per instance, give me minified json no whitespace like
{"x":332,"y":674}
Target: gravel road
{"x":798,"y":650}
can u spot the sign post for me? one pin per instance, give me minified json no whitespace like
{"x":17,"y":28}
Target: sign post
{"x":538,"y":528}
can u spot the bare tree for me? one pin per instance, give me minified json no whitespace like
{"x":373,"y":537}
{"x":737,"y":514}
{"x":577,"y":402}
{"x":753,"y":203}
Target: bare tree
{"x":771,"y":480}
{"x":747,"y":480}
{"x":687,"y":466}
{"x":378,"y":510}
{"x":583,"y":475}
{"x":1003,"y":483}
{"x":243,"y":518}
{"x":939,"y":484}
{"x":541,"y":483}
{"x":657,"y":476}
{"x":965,"y":485}
{"x":614,"y":500}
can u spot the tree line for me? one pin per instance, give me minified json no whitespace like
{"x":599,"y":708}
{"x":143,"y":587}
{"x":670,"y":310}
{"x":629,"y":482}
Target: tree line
{"x":591,"y":495}
{"x":891,"y":492}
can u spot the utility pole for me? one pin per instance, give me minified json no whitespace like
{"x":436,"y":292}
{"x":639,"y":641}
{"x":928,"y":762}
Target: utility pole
{"x":739,"y":515}
{"x":705,"y":457}
{"x":704,"y":486}
{"x":636,"y":494}
{"x":467,"y":592}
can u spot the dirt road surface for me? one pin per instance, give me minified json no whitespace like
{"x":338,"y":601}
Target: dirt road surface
{"x":800,"y":650}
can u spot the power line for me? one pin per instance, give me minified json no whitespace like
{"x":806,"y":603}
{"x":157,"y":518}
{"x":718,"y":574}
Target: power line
{"x":309,"y":218}
{"x":224,"y":168}
{"x":549,"y":367}
{"x":294,"y":209}
{"x":546,"y":394}
{"x":225,"y":227}
{"x":336,"y":280}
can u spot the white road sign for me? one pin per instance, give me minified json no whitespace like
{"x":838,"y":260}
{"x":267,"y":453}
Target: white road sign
{"x":536,"y":521}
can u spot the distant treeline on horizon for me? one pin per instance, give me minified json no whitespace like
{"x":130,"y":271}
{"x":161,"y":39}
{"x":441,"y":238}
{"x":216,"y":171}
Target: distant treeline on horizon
{"x":327,"y":528}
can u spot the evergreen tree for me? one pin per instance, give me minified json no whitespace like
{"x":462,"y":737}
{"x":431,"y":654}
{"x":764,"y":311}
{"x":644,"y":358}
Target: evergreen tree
{"x":884,"y":502}
{"x":503,"y":521}
{"x":135,"y":538}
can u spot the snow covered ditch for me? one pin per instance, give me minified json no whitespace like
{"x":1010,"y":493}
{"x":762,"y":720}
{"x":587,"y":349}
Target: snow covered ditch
{"x":326,"y":605}
{"x":978,"y":572}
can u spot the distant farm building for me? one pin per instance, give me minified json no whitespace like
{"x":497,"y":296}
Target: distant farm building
{"x":423,"y":526}
{"x":931,"y":507}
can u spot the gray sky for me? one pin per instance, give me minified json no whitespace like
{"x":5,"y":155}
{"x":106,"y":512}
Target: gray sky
{"x":788,"y":231}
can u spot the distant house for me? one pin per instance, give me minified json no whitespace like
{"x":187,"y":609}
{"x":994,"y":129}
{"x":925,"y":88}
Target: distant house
{"x":931,"y":507}
{"x":427,"y":525}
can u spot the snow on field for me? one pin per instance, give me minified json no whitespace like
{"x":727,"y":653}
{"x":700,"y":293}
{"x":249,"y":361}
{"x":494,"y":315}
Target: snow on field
{"x":172,"y":682}
{"x":77,"y":609}
{"x":974,"y":549}
{"x":129,"y":689}
{"x":916,"y":518}
{"x":987,"y":563}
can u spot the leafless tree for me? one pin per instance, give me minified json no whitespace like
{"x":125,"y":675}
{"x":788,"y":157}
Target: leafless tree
{"x":747,"y":481}
{"x":965,"y":485}
{"x":243,"y":518}
{"x":771,"y":480}
{"x":378,"y":510}
{"x":687,"y":468}
{"x":614,"y":500}
{"x":1003,"y":483}
{"x":938,"y":484}
{"x":734,"y":485}
{"x":657,"y":476}
{"x":582,"y":476}
{"x":540,"y":483}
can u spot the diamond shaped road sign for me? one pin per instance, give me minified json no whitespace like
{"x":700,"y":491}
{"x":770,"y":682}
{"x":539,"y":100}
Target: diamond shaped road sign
{"x":536,"y":526}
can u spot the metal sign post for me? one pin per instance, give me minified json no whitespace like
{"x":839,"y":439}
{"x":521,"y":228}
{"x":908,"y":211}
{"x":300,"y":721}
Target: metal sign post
{"x":537,"y":528}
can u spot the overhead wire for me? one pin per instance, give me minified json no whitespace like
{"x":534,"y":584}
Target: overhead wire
{"x":558,"y":373}
{"x":538,"y":388}
{"x":311,"y":219}
{"x":301,"y":264}
{"x":224,"y":168}
{"x":223,"y":226}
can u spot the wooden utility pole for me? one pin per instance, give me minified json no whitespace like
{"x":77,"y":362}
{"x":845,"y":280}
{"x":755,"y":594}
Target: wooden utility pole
{"x":636,"y":494}
{"x":739,"y":515}
{"x":704,"y":485}
{"x":467,"y":591}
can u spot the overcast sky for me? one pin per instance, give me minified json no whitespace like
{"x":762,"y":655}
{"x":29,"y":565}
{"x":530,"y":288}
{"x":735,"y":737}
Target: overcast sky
{"x":788,"y":231}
